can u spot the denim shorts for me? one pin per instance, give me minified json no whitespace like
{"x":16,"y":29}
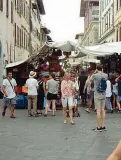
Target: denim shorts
{"x":8,"y":101}
{"x":67,"y":101}
{"x":118,"y":99}
{"x":75,"y":101}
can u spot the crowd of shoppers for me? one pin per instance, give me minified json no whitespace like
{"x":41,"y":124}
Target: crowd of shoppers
{"x":98,"y":87}
{"x":92,"y":86}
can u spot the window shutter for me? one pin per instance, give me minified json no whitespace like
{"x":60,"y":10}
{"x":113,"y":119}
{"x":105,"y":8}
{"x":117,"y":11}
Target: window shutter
{"x":1,"y":5}
{"x":7,"y":8}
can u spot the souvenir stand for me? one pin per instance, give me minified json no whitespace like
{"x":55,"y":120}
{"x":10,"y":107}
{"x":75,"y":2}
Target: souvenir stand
{"x":22,"y":69}
{"x":107,"y":53}
{"x":44,"y":62}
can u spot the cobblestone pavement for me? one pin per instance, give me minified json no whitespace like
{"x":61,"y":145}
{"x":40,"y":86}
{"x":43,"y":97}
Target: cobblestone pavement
{"x":48,"y":138}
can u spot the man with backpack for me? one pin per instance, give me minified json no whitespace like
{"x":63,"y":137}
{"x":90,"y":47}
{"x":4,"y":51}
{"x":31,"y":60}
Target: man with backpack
{"x":100,"y":86}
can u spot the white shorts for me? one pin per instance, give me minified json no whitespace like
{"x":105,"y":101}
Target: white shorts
{"x":67,"y":101}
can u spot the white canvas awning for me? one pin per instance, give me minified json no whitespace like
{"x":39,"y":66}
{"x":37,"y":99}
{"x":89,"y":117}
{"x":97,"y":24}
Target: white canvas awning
{"x":105,"y":49}
{"x":66,"y":46}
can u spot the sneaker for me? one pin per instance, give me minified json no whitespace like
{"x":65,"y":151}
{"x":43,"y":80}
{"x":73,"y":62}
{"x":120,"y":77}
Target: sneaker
{"x":45,"y":115}
{"x":112,"y":111}
{"x":87,"y":110}
{"x":35,"y":115}
{"x":40,"y":114}
{"x":30,"y":115}
{"x":119,"y":111}
{"x":49,"y":110}
{"x":98,"y":129}
{"x":72,"y":123}
{"x":65,"y":122}
{"x":103,"y":128}
{"x":3,"y":113}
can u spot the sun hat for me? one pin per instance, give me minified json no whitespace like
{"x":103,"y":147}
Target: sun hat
{"x":32,"y":74}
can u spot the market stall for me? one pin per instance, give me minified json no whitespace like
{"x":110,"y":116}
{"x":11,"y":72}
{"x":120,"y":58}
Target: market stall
{"x":35,"y":62}
{"x":107,"y":53}
{"x":43,"y":63}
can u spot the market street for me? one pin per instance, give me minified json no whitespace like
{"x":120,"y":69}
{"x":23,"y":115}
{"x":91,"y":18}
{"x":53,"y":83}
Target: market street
{"x":47,"y":138}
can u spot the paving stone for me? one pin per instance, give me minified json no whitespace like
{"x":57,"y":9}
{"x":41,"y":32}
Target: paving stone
{"x":48,"y":138}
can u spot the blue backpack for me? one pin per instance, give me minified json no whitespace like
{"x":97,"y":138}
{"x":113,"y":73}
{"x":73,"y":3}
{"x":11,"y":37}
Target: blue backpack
{"x":102,"y":86}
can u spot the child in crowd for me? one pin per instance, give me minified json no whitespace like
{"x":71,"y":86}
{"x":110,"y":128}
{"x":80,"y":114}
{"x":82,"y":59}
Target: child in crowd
{"x":76,"y":88}
{"x":115,"y":93}
{"x":118,"y":80}
{"x":89,"y":89}
{"x":108,"y":97}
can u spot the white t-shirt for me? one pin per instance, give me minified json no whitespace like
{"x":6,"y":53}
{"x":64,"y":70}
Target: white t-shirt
{"x":9,"y":90}
{"x":108,"y":90}
{"x":75,"y":85}
{"x":32,"y":85}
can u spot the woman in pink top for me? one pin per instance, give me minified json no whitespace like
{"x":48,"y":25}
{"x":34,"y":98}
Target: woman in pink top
{"x":67,"y":96}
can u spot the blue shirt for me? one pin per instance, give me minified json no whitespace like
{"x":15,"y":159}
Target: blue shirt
{"x":119,"y":87}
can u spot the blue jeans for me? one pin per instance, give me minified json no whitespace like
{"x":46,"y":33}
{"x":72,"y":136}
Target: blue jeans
{"x":108,"y":103}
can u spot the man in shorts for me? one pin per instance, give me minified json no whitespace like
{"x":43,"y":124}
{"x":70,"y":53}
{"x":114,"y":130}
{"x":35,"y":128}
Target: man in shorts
{"x":67,"y":96}
{"x":100,"y":98}
{"x":9,"y":92}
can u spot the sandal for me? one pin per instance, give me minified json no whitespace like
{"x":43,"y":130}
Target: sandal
{"x":13,"y":117}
